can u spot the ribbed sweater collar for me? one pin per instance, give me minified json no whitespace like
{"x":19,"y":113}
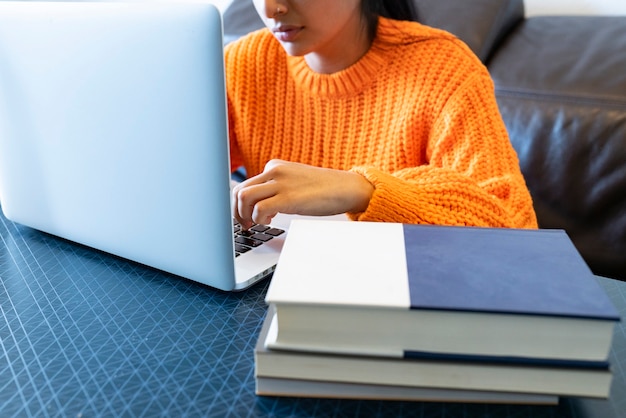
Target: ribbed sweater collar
{"x":353,"y":79}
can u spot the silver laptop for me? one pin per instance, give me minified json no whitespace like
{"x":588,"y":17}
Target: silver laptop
{"x":113,"y":134}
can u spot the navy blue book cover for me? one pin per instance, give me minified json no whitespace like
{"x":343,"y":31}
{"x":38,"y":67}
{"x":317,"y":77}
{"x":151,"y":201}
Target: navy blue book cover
{"x":531,"y":272}
{"x":507,"y":360}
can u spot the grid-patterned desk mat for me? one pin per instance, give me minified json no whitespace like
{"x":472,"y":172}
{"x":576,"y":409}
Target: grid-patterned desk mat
{"x":85,"y":334}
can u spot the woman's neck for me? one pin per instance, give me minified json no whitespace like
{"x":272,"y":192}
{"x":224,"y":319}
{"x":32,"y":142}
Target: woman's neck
{"x":342,"y":52}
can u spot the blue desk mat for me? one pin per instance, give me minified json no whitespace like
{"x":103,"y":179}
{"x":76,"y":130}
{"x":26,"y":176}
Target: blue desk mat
{"x":86,"y":334}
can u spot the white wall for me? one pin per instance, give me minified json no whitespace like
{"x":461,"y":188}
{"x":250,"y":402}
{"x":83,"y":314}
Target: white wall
{"x":579,"y":7}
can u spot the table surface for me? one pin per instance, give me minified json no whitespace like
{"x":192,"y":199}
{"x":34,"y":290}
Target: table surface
{"x":84,"y":334}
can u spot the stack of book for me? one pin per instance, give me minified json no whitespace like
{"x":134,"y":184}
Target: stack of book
{"x":433,"y":313}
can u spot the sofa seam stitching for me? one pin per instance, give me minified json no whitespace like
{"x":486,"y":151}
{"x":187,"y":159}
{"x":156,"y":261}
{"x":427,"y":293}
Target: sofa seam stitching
{"x":573,"y":98}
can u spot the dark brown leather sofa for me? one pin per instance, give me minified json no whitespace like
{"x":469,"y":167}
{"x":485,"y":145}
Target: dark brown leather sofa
{"x":561,"y":87}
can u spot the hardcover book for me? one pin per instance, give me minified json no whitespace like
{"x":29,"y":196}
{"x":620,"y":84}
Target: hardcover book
{"x":271,"y":386}
{"x":279,"y":386}
{"x":397,"y":290}
{"x":379,"y":377}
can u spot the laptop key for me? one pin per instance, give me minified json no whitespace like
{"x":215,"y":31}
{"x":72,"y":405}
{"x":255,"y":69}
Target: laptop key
{"x":246,"y":233}
{"x":262,"y":237}
{"x":241,"y":249}
{"x":259,"y":228}
{"x":274,"y":232}
{"x":248,"y":241}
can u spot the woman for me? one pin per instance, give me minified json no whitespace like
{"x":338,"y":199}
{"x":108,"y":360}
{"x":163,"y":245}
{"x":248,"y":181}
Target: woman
{"x":345,"y":106}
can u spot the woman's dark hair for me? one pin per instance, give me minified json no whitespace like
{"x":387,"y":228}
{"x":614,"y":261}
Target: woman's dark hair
{"x":394,"y":9}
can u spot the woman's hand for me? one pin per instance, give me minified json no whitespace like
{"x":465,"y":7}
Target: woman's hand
{"x":293,"y":188}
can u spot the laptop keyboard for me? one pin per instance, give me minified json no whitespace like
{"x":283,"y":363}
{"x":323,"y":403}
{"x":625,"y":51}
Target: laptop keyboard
{"x":253,"y":237}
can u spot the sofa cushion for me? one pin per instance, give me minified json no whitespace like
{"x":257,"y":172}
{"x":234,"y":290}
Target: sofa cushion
{"x":239,"y":19}
{"x":561,"y":88}
{"x":482,"y":24}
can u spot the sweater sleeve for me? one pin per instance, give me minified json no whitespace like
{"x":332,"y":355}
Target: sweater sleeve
{"x":472,"y":176}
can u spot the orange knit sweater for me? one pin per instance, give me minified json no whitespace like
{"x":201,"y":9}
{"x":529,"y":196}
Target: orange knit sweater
{"x":416,"y":116}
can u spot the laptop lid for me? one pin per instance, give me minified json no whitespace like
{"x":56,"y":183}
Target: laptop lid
{"x":113,"y":133}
